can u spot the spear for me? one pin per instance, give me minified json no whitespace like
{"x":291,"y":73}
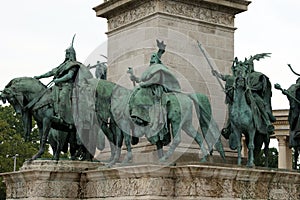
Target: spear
{"x":293,"y":70}
{"x":210,"y":65}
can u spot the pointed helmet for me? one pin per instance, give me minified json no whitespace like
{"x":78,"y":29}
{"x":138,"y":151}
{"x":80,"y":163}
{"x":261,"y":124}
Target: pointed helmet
{"x":70,"y":52}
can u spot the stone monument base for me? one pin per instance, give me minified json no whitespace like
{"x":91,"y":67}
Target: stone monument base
{"x":49,"y":180}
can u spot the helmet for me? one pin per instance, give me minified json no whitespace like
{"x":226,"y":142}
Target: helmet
{"x":70,"y":52}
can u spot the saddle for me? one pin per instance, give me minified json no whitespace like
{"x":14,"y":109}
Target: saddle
{"x":146,"y":110}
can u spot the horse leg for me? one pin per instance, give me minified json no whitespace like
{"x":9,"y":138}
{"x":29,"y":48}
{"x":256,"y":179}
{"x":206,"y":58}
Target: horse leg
{"x":159,"y":147}
{"x":176,"y":128}
{"x":73,"y":145}
{"x":57,"y":151}
{"x":238,"y":137}
{"x":251,"y":135}
{"x":266,"y":149}
{"x":220,"y":149}
{"x":127,"y":139}
{"x":191,"y":131}
{"x":112,"y":142}
{"x":54,"y":147}
{"x":118,"y":146}
{"x":44,"y":138}
{"x":296,"y":154}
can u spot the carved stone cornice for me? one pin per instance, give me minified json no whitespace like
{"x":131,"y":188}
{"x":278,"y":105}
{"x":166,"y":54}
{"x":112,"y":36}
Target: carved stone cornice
{"x":124,"y":12}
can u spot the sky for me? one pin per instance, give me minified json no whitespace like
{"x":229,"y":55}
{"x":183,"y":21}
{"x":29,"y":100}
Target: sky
{"x":34,"y":35}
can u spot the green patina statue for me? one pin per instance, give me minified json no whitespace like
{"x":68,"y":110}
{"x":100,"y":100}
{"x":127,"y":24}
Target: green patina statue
{"x":155,"y":108}
{"x":293,"y":95}
{"x":101,"y":70}
{"x":50,"y":106}
{"x":63,"y":76}
{"x":157,"y":102}
{"x":156,"y":80}
{"x":248,"y":95}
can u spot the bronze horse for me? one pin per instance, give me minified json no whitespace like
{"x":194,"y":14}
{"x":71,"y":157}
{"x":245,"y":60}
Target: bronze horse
{"x":242,"y":122}
{"x":21,"y":91}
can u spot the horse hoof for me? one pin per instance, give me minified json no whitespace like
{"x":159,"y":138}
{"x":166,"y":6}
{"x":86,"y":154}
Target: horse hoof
{"x":163,"y":159}
{"x":34,"y":158}
{"x":126,"y":161}
{"x":110,"y":164}
{"x":203,"y":160}
{"x":250,"y":165}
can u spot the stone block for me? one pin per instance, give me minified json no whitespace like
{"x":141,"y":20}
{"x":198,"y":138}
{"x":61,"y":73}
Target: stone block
{"x":65,"y":180}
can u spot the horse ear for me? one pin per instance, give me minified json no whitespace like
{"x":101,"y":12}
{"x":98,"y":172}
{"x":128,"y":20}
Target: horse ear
{"x":3,"y":98}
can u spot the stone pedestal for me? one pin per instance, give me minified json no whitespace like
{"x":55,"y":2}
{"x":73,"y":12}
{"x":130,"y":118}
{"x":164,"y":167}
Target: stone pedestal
{"x":43,"y":179}
{"x":82,"y":180}
{"x":134,"y":26}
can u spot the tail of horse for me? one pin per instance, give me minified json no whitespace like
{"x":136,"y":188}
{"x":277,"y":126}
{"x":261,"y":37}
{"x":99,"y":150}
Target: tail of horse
{"x":207,"y":124}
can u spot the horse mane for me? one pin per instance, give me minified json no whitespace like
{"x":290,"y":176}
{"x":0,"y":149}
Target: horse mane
{"x":19,"y":82}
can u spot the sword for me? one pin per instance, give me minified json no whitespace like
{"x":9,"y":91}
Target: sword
{"x":210,"y":65}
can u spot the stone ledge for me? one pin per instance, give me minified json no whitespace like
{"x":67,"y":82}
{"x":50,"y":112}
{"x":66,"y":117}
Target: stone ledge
{"x":105,"y":9}
{"x":151,"y":181}
{"x":125,"y":12}
{"x":61,"y":165}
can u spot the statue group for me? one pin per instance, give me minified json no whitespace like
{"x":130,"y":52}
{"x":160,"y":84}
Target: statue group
{"x":293,"y":95}
{"x":77,"y":110}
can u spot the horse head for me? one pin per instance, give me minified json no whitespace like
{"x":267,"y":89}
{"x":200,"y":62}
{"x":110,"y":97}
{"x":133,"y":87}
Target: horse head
{"x":240,"y":81}
{"x":2,"y":97}
{"x":13,"y":97}
{"x":20,"y":91}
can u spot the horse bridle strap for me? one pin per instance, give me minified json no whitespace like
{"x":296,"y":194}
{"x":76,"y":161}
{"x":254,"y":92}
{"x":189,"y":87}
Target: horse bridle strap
{"x":35,"y":100}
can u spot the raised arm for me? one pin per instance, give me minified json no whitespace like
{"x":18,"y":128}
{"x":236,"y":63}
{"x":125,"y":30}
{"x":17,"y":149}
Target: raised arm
{"x":161,"y":48}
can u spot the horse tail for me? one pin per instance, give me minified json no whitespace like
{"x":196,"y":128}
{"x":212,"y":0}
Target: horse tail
{"x":203,"y":110}
{"x":27,"y":122}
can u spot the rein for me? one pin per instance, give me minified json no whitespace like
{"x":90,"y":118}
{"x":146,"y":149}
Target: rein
{"x":36,"y":99}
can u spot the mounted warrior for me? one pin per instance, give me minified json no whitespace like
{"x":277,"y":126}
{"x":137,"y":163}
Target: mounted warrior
{"x":293,"y":95}
{"x":147,"y":105}
{"x":64,"y":77}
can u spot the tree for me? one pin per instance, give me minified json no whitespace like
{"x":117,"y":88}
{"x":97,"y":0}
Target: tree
{"x":12,"y":143}
{"x":273,"y":158}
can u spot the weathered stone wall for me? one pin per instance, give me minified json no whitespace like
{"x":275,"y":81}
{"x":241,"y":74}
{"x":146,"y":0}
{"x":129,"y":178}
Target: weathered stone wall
{"x":64,"y":180}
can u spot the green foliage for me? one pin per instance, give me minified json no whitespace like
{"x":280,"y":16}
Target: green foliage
{"x":12,"y":143}
{"x":273,"y":158}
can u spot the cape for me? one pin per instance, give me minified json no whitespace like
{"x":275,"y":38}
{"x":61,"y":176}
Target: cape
{"x":259,"y":96}
{"x":166,"y":79}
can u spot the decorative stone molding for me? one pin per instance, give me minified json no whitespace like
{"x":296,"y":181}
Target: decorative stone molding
{"x":198,"y":13}
{"x":125,"y":12}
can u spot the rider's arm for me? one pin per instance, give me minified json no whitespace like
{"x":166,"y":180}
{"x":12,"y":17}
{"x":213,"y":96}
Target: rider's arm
{"x":46,"y":75}
{"x":161,"y":48}
{"x":155,"y":79}
{"x":66,"y":77}
{"x":134,"y":78}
